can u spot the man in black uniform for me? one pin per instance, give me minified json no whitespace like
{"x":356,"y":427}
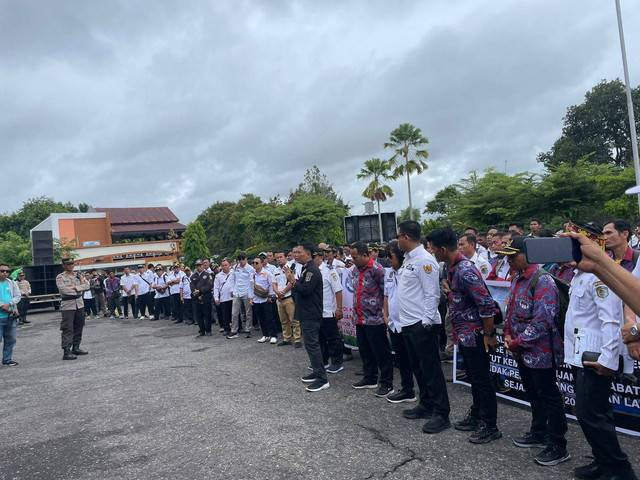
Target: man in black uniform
{"x":307,"y":292}
{"x":201,"y":288}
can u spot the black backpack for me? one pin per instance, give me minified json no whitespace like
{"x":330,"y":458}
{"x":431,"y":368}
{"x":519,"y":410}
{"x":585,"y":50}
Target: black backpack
{"x":563,"y":297}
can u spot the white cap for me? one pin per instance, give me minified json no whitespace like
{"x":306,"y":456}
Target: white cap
{"x":633,"y":190}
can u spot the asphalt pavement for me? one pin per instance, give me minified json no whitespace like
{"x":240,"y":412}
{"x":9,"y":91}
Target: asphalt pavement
{"x":151,"y":401}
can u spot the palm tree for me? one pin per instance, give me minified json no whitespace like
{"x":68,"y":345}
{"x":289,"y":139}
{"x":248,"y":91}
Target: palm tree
{"x":404,"y":140}
{"x":378,"y":171}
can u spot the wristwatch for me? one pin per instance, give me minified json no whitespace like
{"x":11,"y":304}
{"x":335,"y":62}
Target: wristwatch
{"x":634,"y":330}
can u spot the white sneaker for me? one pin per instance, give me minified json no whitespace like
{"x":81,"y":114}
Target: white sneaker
{"x":263,"y":339}
{"x":273,"y":340}
{"x":121,"y":316}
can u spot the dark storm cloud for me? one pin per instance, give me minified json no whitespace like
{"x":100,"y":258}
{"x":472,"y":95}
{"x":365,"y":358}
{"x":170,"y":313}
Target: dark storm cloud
{"x":153,"y":103}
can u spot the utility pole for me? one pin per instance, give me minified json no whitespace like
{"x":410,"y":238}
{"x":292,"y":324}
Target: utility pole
{"x":632,"y":120}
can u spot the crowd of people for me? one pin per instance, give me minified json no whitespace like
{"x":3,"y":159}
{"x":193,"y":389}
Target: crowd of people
{"x":413,"y":299}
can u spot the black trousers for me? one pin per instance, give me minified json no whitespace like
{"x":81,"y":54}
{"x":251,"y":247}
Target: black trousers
{"x":548,"y":420}
{"x":144,"y":303}
{"x":311,"y":336}
{"x":375,"y":353}
{"x":224,"y":314}
{"x":595,"y":416}
{"x":263,"y":312}
{"x":176,"y":307}
{"x":331,"y":341}
{"x":422,"y":343}
{"x":23,"y":308}
{"x":130,"y":300}
{"x":403,"y":363}
{"x":187,"y":310}
{"x":476,"y":364}
{"x":71,"y":327}
{"x":202,"y":310}
{"x":161,"y":307}
{"x":90,"y":307}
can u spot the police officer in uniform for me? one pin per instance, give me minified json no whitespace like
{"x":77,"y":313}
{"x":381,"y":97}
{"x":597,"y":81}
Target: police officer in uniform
{"x":71,"y":287}
{"x":592,"y":329}
{"x":201,"y":294}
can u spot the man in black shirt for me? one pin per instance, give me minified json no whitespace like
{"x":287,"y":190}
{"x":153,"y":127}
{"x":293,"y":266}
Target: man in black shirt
{"x":201,"y":288}
{"x":307,"y":292}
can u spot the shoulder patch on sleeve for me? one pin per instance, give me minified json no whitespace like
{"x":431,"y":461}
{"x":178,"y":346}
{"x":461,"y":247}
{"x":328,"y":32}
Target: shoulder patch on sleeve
{"x":427,"y":268}
{"x":308,"y":276}
{"x":484,"y":269}
{"x":602,"y":291}
{"x":334,"y":275}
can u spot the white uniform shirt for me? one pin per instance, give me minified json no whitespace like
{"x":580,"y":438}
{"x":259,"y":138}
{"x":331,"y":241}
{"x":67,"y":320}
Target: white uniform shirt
{"x":419,"y":289}
{"x":142,"y":285}
{"x":87,"y":295}
{"x":263,"y":279}
{"x":482,"y":252}
{"x":280,"y":279}
{"x":481,"y":264}
{"x":330,"y":286}
{"x":335,"y":265}
{"x":272,"y":269}
{"x":128,"y":282}
{"x":241,"y":279}
{"x":296,"y":268}
{"x":503,"y":268}
{"x":158,"y":281}
{"x":185,"y":287}
{"x":595,"y":316}
{"x":636,"y":273}
{"x":223,"y":286}
{"x":171,"y":276}
{"x":391,"y":277}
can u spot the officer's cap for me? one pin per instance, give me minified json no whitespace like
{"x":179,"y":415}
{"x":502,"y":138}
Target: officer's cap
{"x":140,"y":266}
{"x":198,"y":262}
{"x":67,"y":261}
{"x":262,"y":255}
{"x":515,"y":246}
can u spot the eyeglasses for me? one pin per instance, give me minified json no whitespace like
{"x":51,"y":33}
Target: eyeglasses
{"x":4,"y":271}
{"x":256,"y":263}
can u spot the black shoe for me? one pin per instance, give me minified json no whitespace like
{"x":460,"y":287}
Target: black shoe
{"x":417,"y":412}
{"x":529,"y":440}
{"x":178,"y":321}
{"x":10,"y":363}
{"x":364,"y":384}
{"x":297,"y":345}
{"x":282,"y":343}
{"x":552,"y":455}
{"x":333,"y":369}
{"x":588,"y":472}
{"x":248,"y":335}
{"x":76,"y":350}
{"x":318,"y":385}
{"x":310,"y":378}
{"x":383,"y":391}
{"x":26,"y":321}
{"x":401,"y":396}
{"x":469,"y":423}
{"x":200,"y":334}
{"x":436,"y":424}
{"x":232,"y":335}
{"x":485,"y":434}
{"x":68,"y":355}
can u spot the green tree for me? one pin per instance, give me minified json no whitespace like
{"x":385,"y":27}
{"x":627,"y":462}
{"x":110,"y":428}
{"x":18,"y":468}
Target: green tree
{"x":408,"y":143}
{"x":194,"y":243}
{"x":596,"y":130}
{"x":33,"y":211}
{"x":315,"y":182}
{"x":405,"y":214}
{"x":15,"y":251}
{"x":377,"y":170}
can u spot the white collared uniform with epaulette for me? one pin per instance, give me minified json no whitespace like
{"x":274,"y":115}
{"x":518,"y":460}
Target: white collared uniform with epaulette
{"x":593,"y":323}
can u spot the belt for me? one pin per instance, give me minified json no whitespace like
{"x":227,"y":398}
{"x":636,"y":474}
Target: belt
{"x":416,"y":325}
{"x":70,"y":297}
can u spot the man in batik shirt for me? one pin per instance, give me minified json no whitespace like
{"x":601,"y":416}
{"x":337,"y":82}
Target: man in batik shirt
{"x":472,"y":311}
{"x":531,"y":335}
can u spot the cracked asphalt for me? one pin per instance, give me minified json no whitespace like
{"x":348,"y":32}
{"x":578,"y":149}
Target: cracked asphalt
{"x":151,"y":401}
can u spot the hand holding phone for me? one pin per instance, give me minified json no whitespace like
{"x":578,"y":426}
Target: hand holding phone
{"x":552,"y":250}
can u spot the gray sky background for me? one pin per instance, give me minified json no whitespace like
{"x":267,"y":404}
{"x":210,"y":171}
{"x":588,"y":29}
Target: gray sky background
{"x":123,"y":103}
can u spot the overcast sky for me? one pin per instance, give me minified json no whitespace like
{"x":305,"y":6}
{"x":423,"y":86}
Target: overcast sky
{"x":123,"y":103}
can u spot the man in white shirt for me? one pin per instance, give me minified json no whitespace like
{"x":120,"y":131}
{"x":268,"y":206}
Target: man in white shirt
{"x":482,"y":251}
{"x":260,"y":293}
{"x":330,"y":338}
{"x":185,"y":297}
{"x":242,"y":274}
{"x":143,"y":287}
{"x":593,"y":346}
{"x":128,"y":285}
{"x":161,"y":296}
{"x":286,"y":308}
{"x":467,"y":244}
{"x":174,"y":279}
{"x":418,"y":299}
{"x":223,"y":296}
{"x":331,"y":261}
